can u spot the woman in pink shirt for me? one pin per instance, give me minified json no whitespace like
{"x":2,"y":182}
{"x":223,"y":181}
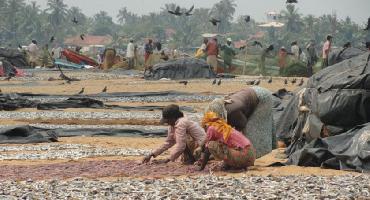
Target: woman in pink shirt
{"x":226,"y":143}
{"x":184,"y":136}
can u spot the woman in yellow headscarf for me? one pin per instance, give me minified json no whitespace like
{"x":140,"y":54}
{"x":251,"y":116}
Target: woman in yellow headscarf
{"x":226,"y":143}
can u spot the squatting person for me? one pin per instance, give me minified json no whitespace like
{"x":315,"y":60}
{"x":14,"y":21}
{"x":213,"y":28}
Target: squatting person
{"x":185,"y":135}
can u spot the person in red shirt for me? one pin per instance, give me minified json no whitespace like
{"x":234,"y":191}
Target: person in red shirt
{"x":226,"y":144}
{"x":212,"y":53}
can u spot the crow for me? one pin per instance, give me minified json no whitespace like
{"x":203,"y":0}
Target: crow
{"x":270,"y":80}
{"x":256,"y":43}
{"x":188,"y":13}
{"x":215,"y":21}
{"x":291,"y":1}
{"x":258,"y":82}
{"x":82,"y":36}
{"x":64,"y":77}
{"x":74,"y":20}
{"x":10,"y":76}
{"x":242,"y":47}
{"x":184,"y":82}
{"x":82,"y":91}
{"x":247,"y":18}
{"x":214,"y":82}
{"x":286,"y":81}
{"x":368,"y":25}
{"x":294,"y":81}
{"x":52,"y":39}
{"x":176,"y":12}
{"x":251,"y":82}
{"x":219,"y":82}
{"x":105,"y":89}
{"x":19,"y":46}
{"x":301,"y":83}
{"x":1,"y":91}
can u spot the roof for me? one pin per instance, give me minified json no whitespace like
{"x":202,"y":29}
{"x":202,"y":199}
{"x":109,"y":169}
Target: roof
{"x":89,"y":40}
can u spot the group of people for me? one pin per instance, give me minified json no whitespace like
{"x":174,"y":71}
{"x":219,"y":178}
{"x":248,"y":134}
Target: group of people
{"x":310,"y":58}
{"x":211,"y":49}
{"x":236,"y":129}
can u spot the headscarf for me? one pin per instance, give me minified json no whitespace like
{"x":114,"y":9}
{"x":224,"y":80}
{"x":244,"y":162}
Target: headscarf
{"x":211,"y":119}
{"x":218,"y":107}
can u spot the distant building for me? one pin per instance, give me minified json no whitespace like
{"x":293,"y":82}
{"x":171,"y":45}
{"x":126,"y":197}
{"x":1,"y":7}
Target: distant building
{"x":89,"y":40}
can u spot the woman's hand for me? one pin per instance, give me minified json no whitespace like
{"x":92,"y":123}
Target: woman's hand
{"x":147,"y":158}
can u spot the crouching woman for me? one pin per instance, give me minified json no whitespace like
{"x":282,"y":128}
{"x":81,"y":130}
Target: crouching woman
{"x":226,"y":144}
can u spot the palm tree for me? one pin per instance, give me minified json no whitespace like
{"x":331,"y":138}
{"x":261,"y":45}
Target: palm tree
{"x":58,"y":12}
{"x":13,"y":17}
{"x":224,"y":10}
{"x":292,"y":19}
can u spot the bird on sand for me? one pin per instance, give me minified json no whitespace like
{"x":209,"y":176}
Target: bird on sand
{"x":82,"y":36}
{"x":247,"y":18}
{"x":294,"y":81}
{"x":242,"y":47}
{"x":301,"y":83}
{"x":184,"y":82}
{"x":215,"y":21}
{"x":270,"y":80}
{"x":176,"y":11}
{"x":291,"y":1}
{"x":214,"y":82}
{"x":286,"y":81}
{"x":188,"y":13}
{"x":219,"y":82}
{"x":74,"y":20}
{"x":105,"y":89}
{"x":256,"y":43}
{"x":52,"y":39}
{"x":10,"y":76}
{"x":257,"y":82}
{"x":82,"y":91}
{"x":251,"y":82}
{"x":368,"y":25}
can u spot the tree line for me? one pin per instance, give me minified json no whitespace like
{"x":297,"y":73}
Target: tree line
{"x":20,"y":22}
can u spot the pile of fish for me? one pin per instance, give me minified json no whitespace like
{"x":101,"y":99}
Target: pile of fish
{"x":203,"y":187}
{"x":63,"y":151}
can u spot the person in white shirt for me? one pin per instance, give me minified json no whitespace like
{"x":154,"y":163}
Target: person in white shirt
{"x":130,"y":54}
{"x":295,"y":50}
{"x":33,"y":51}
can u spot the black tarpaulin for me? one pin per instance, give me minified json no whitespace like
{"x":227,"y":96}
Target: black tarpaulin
{"x":30,"y":134}
{"x":183,"y":68}
{"x":335,"y":102}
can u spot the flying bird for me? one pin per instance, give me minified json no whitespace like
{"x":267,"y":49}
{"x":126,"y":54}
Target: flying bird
{"x":247,"y":18}
{"x":214,"y":82}
{"x":176,"y":12}
{"x":257,"y":82}
{"x":215,"y":21}
{"x":82,"y":36}
{"x":82,"y":91}
{"x":19,"y":46}
{"x":368,"y":25}
{"x":270,"y":80}
{"x":219,"y":82}
{"x":52,"y":39}
{"x":286,"y":81}
{"x":301,"y":83}
{"x":251,"y":82}
{"x":188,"y":13}
{"x":256,"y":43}
{"x":74,"y":20}
{"x":291,"y":1}
{"x":105,"y":89}
{"x":184,"y":82}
